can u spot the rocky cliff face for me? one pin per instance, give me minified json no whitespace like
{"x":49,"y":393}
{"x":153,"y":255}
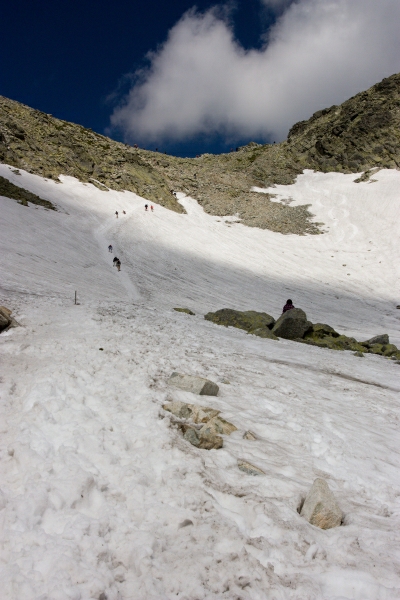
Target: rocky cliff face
{"x":362,"y":133}
{"x":41,"y":144}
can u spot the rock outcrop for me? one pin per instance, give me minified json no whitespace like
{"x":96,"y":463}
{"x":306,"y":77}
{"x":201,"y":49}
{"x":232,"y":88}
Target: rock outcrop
{"x":22,"y":196}
{"x":360,"y":134}
{"x":193,"y":412}
{"x":185,"y":310}
{"x":382,"y":339}
{"x":249,"y":320}
{"x":250,"y":469}
{"x":293,"y":325}
{"x":320,"y":507}
{"x":194,"y":384}
{"x":212,"y":426}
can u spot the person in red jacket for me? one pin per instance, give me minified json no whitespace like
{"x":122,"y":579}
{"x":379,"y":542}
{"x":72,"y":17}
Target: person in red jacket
{"x":288,"y":306}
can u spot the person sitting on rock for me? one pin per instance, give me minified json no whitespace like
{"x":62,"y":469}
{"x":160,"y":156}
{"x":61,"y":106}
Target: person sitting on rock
{"x":288,"y":306}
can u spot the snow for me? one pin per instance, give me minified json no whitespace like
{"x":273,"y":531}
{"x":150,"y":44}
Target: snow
{"x":99,"y":496}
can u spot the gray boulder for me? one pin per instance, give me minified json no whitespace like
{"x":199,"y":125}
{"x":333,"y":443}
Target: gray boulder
{"x":194,"y":384}
{"x":378,"y":339}
{"x":320,"y":507}
{"x":292,"y":324}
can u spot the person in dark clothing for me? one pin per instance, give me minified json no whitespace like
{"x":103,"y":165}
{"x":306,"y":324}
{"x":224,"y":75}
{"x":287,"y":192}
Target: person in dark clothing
{"x":116,"y":214}
{"x":288,"y":306}
{"x":110,"y":248}
{"x":118,"y":264}
{"x":115,"y":260}
{"x":146,"y":206}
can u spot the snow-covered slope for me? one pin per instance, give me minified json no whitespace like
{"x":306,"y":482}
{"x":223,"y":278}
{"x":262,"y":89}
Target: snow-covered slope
{"x":99,"y":496}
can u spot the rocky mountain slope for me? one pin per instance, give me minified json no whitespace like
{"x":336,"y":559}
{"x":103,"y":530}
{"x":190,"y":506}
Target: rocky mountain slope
{"x":361,"y":134}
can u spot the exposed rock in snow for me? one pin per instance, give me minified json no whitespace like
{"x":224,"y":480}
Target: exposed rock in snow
{"x":248,"y":320}
{"x":217,"y":425}
{"x":196,"y":413}
{"x":292,"y":324}
{"x":206,"y":440}
{"x":250,"y":469}
{"x":249,"y":435}
{"x":320,"y":507}
{"x":378,"y":339}
{"x":185,"y":310}
{"x":209,"y":435}
{"x":194,"y":384}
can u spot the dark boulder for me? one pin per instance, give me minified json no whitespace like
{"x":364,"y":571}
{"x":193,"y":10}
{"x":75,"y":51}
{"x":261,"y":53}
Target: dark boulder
{"x":378,"y":339}
{"x":292,"y":324}
{"x":318,"y":331}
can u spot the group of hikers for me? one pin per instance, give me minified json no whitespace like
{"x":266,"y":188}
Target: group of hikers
{"x":116,"y":261}
{"x":146,"y":206}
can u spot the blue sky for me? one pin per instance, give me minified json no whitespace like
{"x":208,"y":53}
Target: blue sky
{"x":218,"y":76}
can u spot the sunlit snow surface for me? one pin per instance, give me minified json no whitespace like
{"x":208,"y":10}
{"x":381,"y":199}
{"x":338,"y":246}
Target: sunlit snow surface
{"x":96,"y":489}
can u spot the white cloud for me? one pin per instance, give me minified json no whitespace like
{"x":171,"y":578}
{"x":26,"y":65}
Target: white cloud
{"x":201,"y":81}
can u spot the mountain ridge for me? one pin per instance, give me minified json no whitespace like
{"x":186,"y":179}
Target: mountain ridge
{"x":361,"y":134}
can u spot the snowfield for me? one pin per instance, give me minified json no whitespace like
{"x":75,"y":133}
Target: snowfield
{"x":100,"y":497}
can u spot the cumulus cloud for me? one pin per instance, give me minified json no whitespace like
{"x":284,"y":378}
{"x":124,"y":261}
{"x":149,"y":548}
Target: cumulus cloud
{"x":201,"y":81}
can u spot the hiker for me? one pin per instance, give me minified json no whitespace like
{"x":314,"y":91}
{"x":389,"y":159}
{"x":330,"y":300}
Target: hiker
{"x":110,"y":248}
{"x":116,"y":214}
{"x":146,"y":206}
{"x":123,"y":212}
{"x":151,"y":208}
{"x":288,"y":306}
{"x":115,"y":260}
{"x":118,"y":264}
